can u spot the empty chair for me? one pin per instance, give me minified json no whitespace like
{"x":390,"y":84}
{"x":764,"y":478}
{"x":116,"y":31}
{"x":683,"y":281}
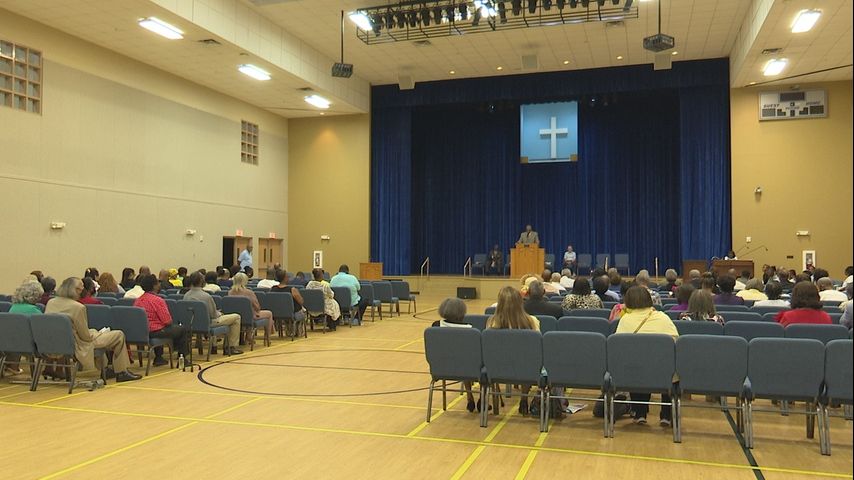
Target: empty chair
{"x":195,"y":316}
{"x":125,"y":302}
{"x":367,"y":292}
{"x":589,"y":312}
{"x":739,"y":316}
{"x":838,"y":373}
{"x":549,"y":261}
{"x":547,"y":323}
{"x":514,"y":357}
{"x":575,"y":359}
{"x":785,"y":369}
{"x":711,"y":365}
{"x":763,"y":309}
{"x":54,"y":340}
{"x":133,"y":322}
{"x":583,"y":263}
{"x":621,"y":262}
{"x":831,"y":305}
{"x":691,"y":327}
{"x":282,"y":306}
{"x":822,"y":333}
{"x":478,"y":322}
{"x":652,"y":375}
{"x":384,"y":293}
{"x":732,"y":308}
{"x":400,"y":290}
{"x":344,"y":299}
{"x":16,"y":340}
{"x":248,"y":323}
{"x":835,"y":317}
{"x":584,"y":324}
{"x":455,"y":354}
{"x":479,"y":263}
{"x":314,"y":304}
{"x":603,"y":260}
{"x":99,"y":316}
{"x":751,"y":330}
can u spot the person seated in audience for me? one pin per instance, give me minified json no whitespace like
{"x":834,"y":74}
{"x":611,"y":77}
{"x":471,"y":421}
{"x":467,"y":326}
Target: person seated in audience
{"x":182,"y":273}
{"x":160,"y":320}
{"x":143,"y":270}
{"x":806,"y":307}
{"x":619,"y":309}
{"x":849,"y":278}
{"x":510,"y":313}
{"x":344,"y":279}
{"x":753,"y":290}
{"x":249,"y":271}
{"x":223,"y":278}
{"x":642,"y":318}
{"x":38,"y":274}
{"x":600,"y":288}
{"x":695,"y":278}
{"x":827,"y":292}
{"x":846,"y":318}
{"x":773,"y":290}
{"x":726,"y":284}
{"x":211,"y":285}
{"x":566,"y":279}
{"x":769,"y":274}
{"x":93,"y":273}
{"x":270,"y":280}
{"x":786,"y":284}
{"x":819,"y":273}
{"x":48,"y":289}
{"x":299,"y":279}
{"x":136,"y":291}
{"x":453,"y":312}
{"x":536,"y":304}
{"x":230,"y":320}
{"x":186,"y":285}
{"x":642,"y":279}
{"x":709,"y":284}
{"x":330,"y":307}
{"x":109,"y":285}
{"x":701,"y":307}
{"x":803,"y":277}
{"x":555,"y":281}
{"x":615,"y":282}
{"x":683,"y":296}
{"x":581,"y":297}
{"x":128,"y":278}
{"x":87,"y":296}
{"x":86,"y":340}
{"x":495,"y":261}
{"x":174,"y":280}
{"x":163,"y":281}
{"x":285,"y":287}
{"x":671,"y":282}
{"x":239,"y":288}
{"x":24,"y":301}
{"x":730,"y":255}
{"x":546,"y":278}
{"x":739,"y":284}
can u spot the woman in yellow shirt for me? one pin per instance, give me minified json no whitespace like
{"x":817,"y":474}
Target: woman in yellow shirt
{"x":641,"y":317}
{"x":753,"y":290}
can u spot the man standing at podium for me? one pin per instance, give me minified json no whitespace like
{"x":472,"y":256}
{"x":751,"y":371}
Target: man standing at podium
{"x":528,"y":237}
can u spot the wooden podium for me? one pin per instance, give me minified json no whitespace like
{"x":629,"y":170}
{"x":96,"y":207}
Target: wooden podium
{"x":722,"y":266}
{"x":371,"y":271}
{"x":526,"y":259}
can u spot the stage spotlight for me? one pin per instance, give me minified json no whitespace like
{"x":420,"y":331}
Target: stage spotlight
{"x":476,"y":18}
{"x":389,"y":20}
{"x":401,"y":19}
{"x":413,"y":19}
{"x":547,"y":4}
{"x":615,"y":2}
{"x":516,"y":5}
{"x":573,"y":3}
{"x":532,"y":6}
{"x":464,"y":12}
{"x":585,"y":3}
{"x":502,"y":12}
{"x":628,"y":6}
{"x":561,"y":4}
{"x":376,"y":24}
{"x":601,"y":3}
{"x":425,"y":16}
{"x":437,"y":15}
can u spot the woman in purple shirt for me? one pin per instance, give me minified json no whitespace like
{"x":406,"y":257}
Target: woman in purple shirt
{"x":683,"y":293}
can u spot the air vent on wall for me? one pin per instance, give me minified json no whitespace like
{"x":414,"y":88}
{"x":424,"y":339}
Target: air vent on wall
{"x":209,"y":41}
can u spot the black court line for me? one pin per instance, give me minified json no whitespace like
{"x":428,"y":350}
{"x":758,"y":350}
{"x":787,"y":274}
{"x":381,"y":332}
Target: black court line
{"x":747,"y":453}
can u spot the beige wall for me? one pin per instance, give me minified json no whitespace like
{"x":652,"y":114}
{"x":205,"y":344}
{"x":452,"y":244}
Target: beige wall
{"x":129,"y":157}
{"x":329,"y":162}
{"x":804,"y":168}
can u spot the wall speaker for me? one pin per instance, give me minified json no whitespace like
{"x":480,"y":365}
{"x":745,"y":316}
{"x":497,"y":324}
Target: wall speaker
{"x":405,"y":82}
{"x":467,"y":293}
{"x":530,"y":62}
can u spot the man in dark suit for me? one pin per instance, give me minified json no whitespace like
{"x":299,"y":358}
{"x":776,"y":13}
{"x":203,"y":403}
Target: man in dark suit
{"x":536,"y":304}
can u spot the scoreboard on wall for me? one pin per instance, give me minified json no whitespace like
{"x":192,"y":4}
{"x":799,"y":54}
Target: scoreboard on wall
{"x":792,"y":104}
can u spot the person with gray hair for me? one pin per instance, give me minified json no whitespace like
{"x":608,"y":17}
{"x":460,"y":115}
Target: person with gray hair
{"x":536,"y":304}
{"x":453,"y":313}
{"x":86,"y":340}
{"x":26,"y":297}
{"x":672,"y":279}
{"x":642,"y":279}
{"x":826,"y":291}
{"x":555,"y":281}
{"x":695,"y":278}
{"x":754,"y":289}
{"x":566,"y":280}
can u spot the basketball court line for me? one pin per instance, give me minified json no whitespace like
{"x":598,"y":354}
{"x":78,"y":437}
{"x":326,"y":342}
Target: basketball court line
{"x":477,"y":451}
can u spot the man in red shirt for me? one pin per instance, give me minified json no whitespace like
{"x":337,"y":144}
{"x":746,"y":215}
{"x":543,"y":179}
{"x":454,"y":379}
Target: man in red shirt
{"x":806,"y":307}
{"x":160,"y":320}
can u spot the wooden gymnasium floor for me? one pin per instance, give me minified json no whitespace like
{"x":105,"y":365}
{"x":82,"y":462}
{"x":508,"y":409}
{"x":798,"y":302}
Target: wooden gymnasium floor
{"x":351,"y":404}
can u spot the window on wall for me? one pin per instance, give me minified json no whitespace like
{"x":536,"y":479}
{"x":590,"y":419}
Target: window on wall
{"x":20,"y":77}
{"x":248,"y":142}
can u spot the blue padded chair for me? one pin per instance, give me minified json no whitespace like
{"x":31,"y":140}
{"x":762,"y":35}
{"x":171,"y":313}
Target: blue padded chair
{"x":548,"y":323}
{"x":673,"y":315}
{"x":575,"y":359}
{"x":479,"y":263}
{"x":669,"y":301}
{"x":125,"y":302}
{"x":366,"y":291}
{"x":762,"y":309}
{"x":785,"y":369}
{"x":102,"y":295}
{"x":344,"y":299}
{"x":194,"y":314}
{"x":489,"y":311}
{"x":583,"y":263}
{"x":109,"y":301}
{"x":54,"y":341}
{"x":621,"y":262}
{"x":831,"y":305}
{"x":455,"y":354}
{"x":835,"y":317}
{"x":282,"y":306}
{"x":751,"y":330}
{"x":400,"y":290}
{"x":770,"y":317}
{"x":133,"y":322}
{"x":477,"y":321}
{"x":838,"y":373}
{"x":589,"y":312}
{"x":175,"y":296}
{"x":248,"y":323}
{"x":523,"y":367}
{"x":99,"y":316}
{"x":584,"y":324}
{"x":601,"y":259}
{"x":5,"y":306}
{"x":313,"y":302}
{"x":654,"y":374}
{"x":16,"y":340}
{"x":822,"y":333}
{"x":691,"y":327}
{"x":384,"y":293}
{"x":712,"y":365}
{"x":739,"y":316}
{"x":732,"y":308}
{"x":549,"y":261}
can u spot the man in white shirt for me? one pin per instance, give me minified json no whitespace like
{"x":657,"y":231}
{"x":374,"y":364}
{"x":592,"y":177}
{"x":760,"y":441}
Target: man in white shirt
{"x":827,"y":293}
{"x":773,"y":290}
{"x":739,"y":285}
{"x":566,"y":279}
{"x":245,"y":258}
{"x":849,"y":278}
{"x":270,"y":281}
{"x":569,"y":258}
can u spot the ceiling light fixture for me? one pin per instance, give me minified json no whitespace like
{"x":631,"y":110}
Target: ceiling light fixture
{"x":161,"y":28}
{"x":619,"y":57}
{"x":566,"y":62}
{"x":499,"y":68}
{"x":774,"y":66}
{"x":361,"y":20}
{"x":317,"y":101}
{"x":805,"y":20}
{"x":452,"y":72}
{"x":254,"y":72}
{"x":674,"y":53}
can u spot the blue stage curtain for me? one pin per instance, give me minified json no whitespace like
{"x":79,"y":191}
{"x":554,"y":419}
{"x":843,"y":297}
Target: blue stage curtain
{"x":447,"y":183}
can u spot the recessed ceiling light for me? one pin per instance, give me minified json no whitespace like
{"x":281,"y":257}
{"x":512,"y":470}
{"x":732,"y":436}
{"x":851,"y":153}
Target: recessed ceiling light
{"x":752,"y":83}
{"x":323,"y":113}
{"x":774,"y":66}
{"x":254,"y":72}
{"x":361,"y":20}
{"x":499,"y":68}
{"x":619,"y":57}
{"x":161,"y":28}
{"x":566,"y":62}
{"x":805,"y":20}
{"x":674,"y":53}
{"x":452,"y":72}
{"x":317,"y":101}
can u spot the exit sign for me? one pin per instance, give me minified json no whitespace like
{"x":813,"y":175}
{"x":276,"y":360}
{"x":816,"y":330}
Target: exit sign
{"x":271,"y":235}
{"x":238,"y":233}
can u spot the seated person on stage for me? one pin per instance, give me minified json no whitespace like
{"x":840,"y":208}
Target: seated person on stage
{"x":87,"y":296}
{"x":160,"y":320}
{"x":701,"y":307}
{"x":210,"y":283}
{"x":726,"y":284}
{"x":570,"y":258}
{"x":528,"y":237}
{"x":86,"y":340}
{"x":566,"y":280}
{"x":683,"y":295}
{"x":453,"y":311}
{"x":773,"y":290}
{"x":546,"y":278}
{"x":231,"y":320}
{"x":600,"y":287}
{"x":642,"y":279}
{"x":730,"y":255}
{"x":495,"y":261}
{"x":753,"y":290}
{"x":344,"y":279}
{"x":672,"y":282}
{"x":806,"y":307}
{"x":555,"y":281}
{"x":581,"y":297}
{"x":826,"y":291}
{"x":536,"y":304}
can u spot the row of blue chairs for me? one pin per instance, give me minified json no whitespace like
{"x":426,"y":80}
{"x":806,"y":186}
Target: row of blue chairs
{"x":785,"y":369}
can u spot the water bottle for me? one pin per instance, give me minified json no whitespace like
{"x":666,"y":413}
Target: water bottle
{"x":181,"y":362}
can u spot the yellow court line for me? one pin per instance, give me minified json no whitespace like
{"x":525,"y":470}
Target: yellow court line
{"x":408,"y":344}
{"x":529,"y":460}
{"x":436,"y":415}
{"x":441,"y":440}
{"x":233,"y":408}
{"x":8,"y":387}
{"x":15,"y":394}
{"x":477,"y":451}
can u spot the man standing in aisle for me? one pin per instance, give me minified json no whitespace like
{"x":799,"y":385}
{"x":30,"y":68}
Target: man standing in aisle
{"x":245,"y":258}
